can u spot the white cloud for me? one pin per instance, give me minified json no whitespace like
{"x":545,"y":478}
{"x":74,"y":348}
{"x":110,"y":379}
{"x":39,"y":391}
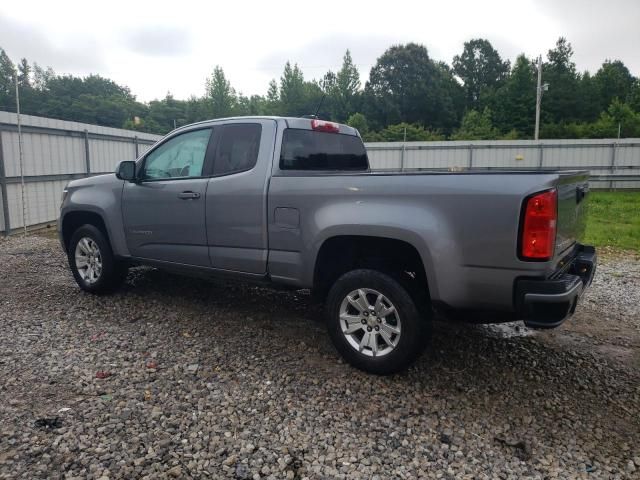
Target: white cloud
{"x":158,"y":40}
{"x":155,"y":47}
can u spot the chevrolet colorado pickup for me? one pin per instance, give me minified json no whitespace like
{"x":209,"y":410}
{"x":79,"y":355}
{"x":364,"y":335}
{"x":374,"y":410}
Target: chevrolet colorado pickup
{"x":292,"y":202}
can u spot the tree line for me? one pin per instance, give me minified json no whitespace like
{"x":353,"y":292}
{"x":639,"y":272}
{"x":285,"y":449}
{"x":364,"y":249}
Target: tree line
{"x":408,"y":95}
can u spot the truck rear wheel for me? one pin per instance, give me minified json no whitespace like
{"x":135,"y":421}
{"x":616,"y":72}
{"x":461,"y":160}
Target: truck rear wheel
{"x":94,"y":267}
{"x":374,"y":323}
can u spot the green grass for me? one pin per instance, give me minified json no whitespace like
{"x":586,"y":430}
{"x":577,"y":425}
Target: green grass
{"x":614,"y":220}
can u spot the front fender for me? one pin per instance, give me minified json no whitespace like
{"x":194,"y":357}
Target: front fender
{"x":100,"y":196}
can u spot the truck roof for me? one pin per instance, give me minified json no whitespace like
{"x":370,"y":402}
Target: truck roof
{"x":291,"y":122}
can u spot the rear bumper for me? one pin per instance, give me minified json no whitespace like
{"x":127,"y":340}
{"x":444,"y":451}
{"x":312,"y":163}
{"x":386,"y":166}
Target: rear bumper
{"x":549,"y":302}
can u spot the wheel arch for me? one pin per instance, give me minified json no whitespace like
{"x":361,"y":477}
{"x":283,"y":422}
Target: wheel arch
{"x":73,"y":220}
{"x":340,"y":253}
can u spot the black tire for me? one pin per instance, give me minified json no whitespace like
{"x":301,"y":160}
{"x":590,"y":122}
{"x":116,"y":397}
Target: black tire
{"x":414,"y":327}
{"x":112,"y":273}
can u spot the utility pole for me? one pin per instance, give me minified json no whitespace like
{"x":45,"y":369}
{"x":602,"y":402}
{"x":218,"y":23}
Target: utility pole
{"x":538,"y":97}
{"x":539,"y":89}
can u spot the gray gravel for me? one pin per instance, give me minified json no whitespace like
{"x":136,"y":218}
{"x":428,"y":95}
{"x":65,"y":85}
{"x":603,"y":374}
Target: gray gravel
{"x":222,"y":381}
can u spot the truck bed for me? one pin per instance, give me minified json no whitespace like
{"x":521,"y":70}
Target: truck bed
{"x":465,"y":224}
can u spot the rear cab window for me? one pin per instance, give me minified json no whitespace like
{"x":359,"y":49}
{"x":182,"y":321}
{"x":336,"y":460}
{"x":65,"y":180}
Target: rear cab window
{"x":313,"y":150}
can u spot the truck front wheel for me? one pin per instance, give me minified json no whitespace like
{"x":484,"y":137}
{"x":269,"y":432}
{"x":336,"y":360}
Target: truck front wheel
{"x":94,"y":267}
{"x":374,"y":323}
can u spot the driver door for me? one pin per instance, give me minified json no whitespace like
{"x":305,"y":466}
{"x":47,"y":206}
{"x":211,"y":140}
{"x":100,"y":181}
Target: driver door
{"x":164,"y":212}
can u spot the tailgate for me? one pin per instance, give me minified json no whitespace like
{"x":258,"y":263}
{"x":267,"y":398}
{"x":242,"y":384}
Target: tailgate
{"x":573,"y":192}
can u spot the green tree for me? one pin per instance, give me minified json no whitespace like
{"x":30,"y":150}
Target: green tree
{"x":406,"y":90}
{"x":164,"y":114}
{"x":24,"y":74}
{"x":30,"y":98}
{"x":476,"y":126}
{"x":514,"y":104}
{"x":561,"y":103}
{"x":634,"y":95}
{"x":42,"y":76}
{"x":292,"y":91}
{"x":328,"y":83}
{"x":621,"y":116}
{"x":92,"y":99}
{"x":7,"y":88}
{"x":590,"y":104}
{"x":613,"y":80}
{"x":405,"y":85}
{"x":315,"y":99}
{"x":405,"y":131}
{"x":566,"y":130}
{"x":272,"y":102}
{"x":346,"y":89}
{"x":359,"y":122}
{"x":453,"y":102}
{"x":221,"y":96}
{"x":253,"y":105}
{"x":480,"y":68}
{"x":196,"y":109}
{"x":510,"y":135}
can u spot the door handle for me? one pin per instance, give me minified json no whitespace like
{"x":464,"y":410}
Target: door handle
{"x":188,"y":195}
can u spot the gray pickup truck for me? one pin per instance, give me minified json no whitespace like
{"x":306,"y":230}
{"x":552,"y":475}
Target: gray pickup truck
{"x":292,"y":202}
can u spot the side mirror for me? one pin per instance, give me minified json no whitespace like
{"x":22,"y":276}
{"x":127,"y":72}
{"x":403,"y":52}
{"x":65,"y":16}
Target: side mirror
{"x":126,"y":170}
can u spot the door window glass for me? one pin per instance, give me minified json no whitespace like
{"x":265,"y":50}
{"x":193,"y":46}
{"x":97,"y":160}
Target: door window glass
{"x":180,"y":157}
{"x":237,"y":149}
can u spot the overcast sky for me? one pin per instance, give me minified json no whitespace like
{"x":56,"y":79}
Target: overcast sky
{"x":160,"y":46}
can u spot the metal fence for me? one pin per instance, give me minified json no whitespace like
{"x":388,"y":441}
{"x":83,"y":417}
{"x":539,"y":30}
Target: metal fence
{"x":612,"y":163}
{"x":56,"y":151}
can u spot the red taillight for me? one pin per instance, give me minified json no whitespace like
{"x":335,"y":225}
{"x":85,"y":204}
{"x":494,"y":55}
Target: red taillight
{"x":539,"y":226}
{"x":324,"y":126}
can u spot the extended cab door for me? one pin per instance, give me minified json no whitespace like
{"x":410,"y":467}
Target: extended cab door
{"x":237,"y":195}
{"x":164,"y":212}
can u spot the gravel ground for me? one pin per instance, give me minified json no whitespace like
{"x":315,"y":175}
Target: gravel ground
{"x":221,"y":381}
